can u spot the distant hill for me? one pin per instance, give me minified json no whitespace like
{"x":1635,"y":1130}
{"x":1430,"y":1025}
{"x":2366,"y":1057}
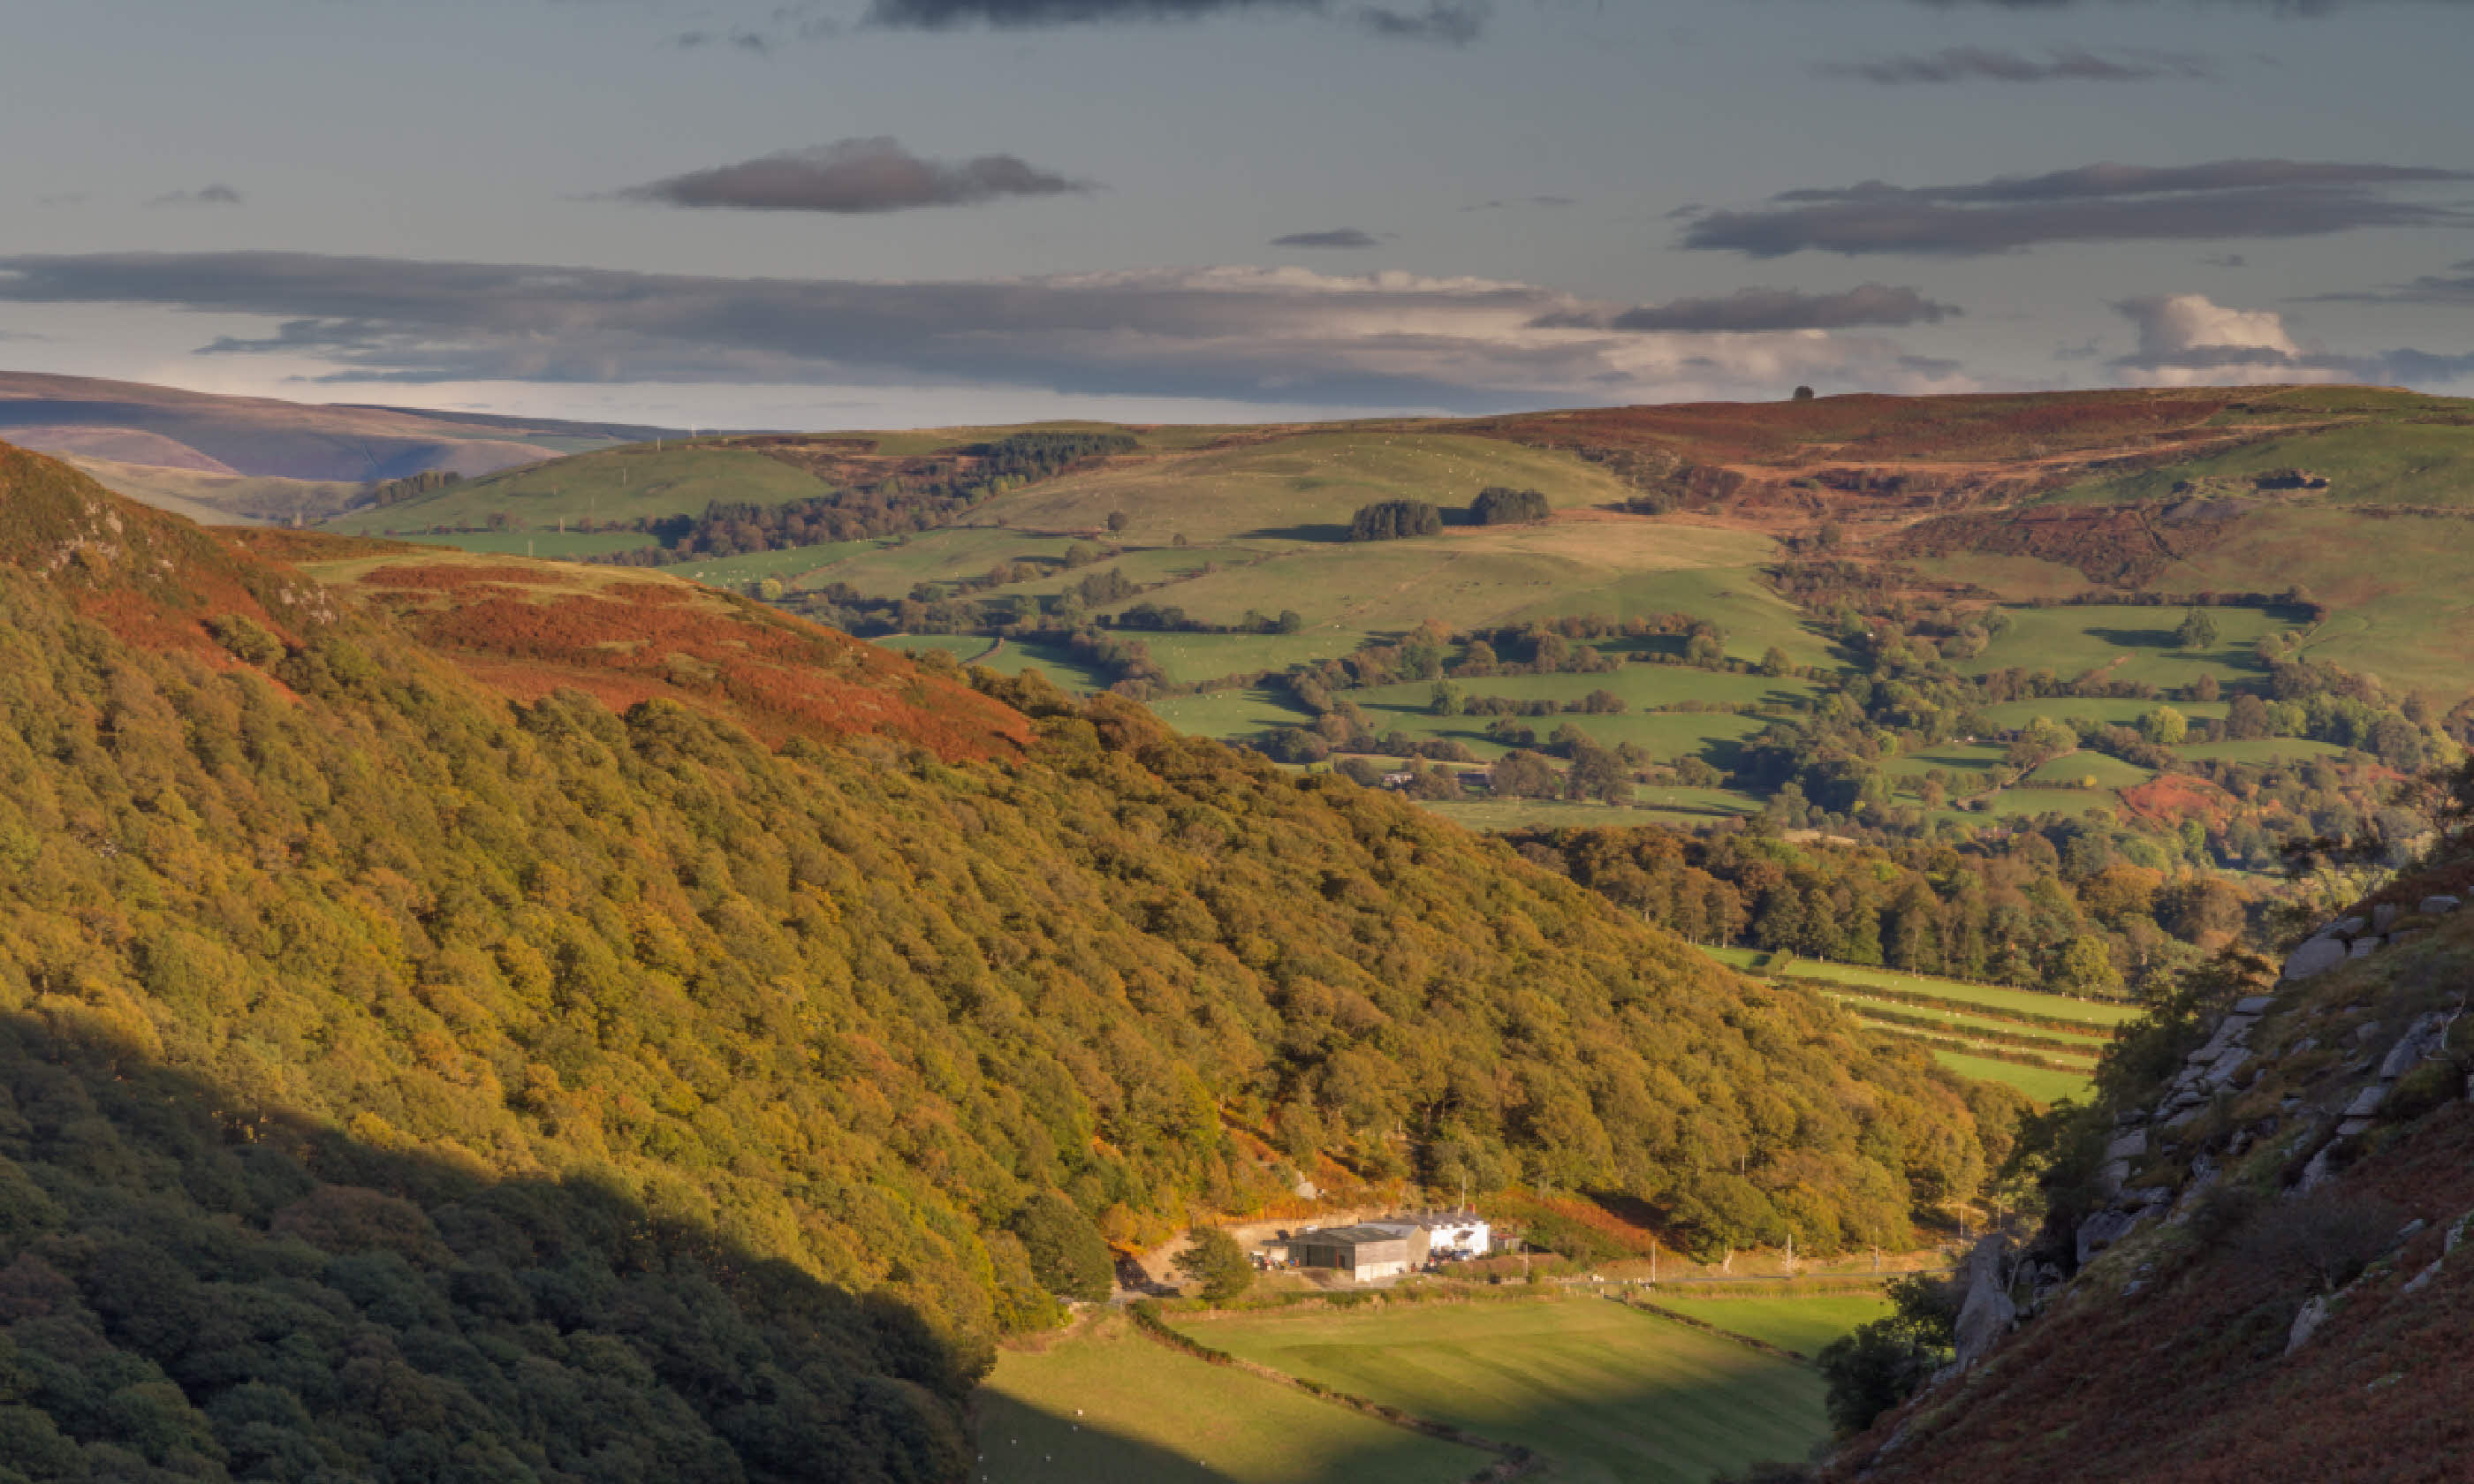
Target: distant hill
{"x":130,"y":422}
{"x":486,"y":1018}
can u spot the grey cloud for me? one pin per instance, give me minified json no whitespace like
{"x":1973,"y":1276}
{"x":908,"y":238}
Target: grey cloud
{"x":855,"y":176}
{"x":1454,"y":21}
{"x":1786,"y":309}
{"x":1975,"y":64}
{"x":1337,"y":237}
{"x":2103,"y":202}
{"x":1548,"y":202}
{"x":1458,"y":22}
{"x":2454,"y":287}
{"x":1261,"y":335}
{"x":217,"y":195}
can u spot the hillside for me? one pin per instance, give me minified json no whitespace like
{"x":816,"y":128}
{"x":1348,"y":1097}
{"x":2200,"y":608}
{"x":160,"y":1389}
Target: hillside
{"x":165,"y":427}
{"x":470,"y":1015}
{"x":1204,"y":570}
{"x":2251,"y":1263}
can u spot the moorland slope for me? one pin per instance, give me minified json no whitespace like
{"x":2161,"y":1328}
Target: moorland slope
{"x":459,"y":1016}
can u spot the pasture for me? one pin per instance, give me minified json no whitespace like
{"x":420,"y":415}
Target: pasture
{"x":616,"y":484}
{"x":1606,"y":1394}
{"x":2128,"y":642}
{"x":1104,"y":1405}
{"x":1802,"y":1322}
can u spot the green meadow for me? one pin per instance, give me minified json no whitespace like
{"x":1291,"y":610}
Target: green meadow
{"x":1606,"y":1394}
{"x":1104,"y":1406}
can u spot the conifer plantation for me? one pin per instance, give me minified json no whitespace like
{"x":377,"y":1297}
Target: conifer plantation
{"x":447,"y":1033}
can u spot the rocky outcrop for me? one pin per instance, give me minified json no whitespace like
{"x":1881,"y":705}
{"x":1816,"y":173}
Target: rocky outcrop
{"x":2357,"y":937}
{"x":1987,"y":1313}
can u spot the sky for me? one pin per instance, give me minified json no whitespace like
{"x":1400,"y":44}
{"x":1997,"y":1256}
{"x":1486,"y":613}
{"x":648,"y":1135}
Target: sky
{"x":854,"y":213}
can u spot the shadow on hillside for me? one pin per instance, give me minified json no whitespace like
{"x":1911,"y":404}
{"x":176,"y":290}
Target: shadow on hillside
{"x":1297,"y":533}
{"x":318,"y":1303}
{"x":2139,"y":638}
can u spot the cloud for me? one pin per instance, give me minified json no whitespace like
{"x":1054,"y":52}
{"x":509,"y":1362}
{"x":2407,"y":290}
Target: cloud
{"x":1336,"y":237}
{"x":2103,"y":202}
{"x":2190,"y":340}
{"x":2454,"y":287}
{"x":1786,"y":309}
{"x":217,"y":195}
{"x":853,"y":176}
{"x":1457,"y":22}
{"x":1278,"y":335}
{"x":1975,"y":64}
{"x":1550,"y":203}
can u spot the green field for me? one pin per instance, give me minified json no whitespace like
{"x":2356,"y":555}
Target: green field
{"x":1606,"y":1394}
{"x":2262,"y":750}
{"x":1801,"y":1323}
{"x":2127,"y":643}
{"x":1686,"y":807}
{"x":967,"y":648}
{"x":1960,"y":1021}
{"x":1111,"y":1408}
{"x":2384,"y":464}
{"x":547,"y":545}
{"x":2113,"y":710}
{"x":619,"y":484}
{"x":2042,"y":1084}
{"x":1993,"y":997}
{"x":2088,"y":769}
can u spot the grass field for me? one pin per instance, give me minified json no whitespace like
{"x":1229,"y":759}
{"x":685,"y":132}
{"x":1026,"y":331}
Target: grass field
{"x":1606,"y":1394}
{"x":547,"y":545}
{"x":2042,"y":1084}
{"x":1801,"y":1323}
{"x":2262,"y":750}
{"x":2084,"y":768}
{"x":619,"y":484}
{"x":1683,"y":806}
{"x":2080,"y":1043}
{"x":1111,"y":1408}
{"x":2113,"y":710}
{"x":2385,"y":464}
{"x":2128,"y":642}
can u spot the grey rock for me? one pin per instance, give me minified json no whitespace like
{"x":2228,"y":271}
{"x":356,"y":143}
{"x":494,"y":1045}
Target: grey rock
{"x":2111,"y":1175}
{"x":2145,"y":1196}
{"x":2364,"y":948}
{"x":2315,"y":1313}
{"x":2316,"y":1173}
{"x":2421,"y":1280}
{"x":2366,"y":1031}
{"x":1987,"y":1313}
{"x":2342,"y":927}
{"x":2384,"y":915}
{"x":2439,"y":907}
{"x":2228,"y":1065}
{"x":2253,"y":1004}
{"x":2129,"y":1146}
{"x":2367,"y":1102}
{"x":2101,"y":1232}
{"x":2316,"y":957}
{"x":2353,"y":1128}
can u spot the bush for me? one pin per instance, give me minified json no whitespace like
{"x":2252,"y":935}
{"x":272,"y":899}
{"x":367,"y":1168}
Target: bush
{"x":1499,"y":504}
{"x":1214,"y":1259}
{"x":1881,"y":1364}
{"x":1066,"y":1253}
{"x":2327,"y":1236}
{"x":1392,"y":520}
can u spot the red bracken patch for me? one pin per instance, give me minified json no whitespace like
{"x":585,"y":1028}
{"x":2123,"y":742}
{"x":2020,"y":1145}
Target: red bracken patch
{"x":2170,"y":798}
{"x":778,"y":676}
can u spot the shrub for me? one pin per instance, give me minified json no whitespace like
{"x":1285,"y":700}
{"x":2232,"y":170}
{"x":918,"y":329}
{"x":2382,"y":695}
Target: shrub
{"x":1066,"y":1253}
{"x":1499,"y":504}
{"x":1392,"y":520}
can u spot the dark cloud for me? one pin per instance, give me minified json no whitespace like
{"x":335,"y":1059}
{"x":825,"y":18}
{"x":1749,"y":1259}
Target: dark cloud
{"x":1458,"y":22}
{"x":1261,"y":335}
{"x":1549,"y":202}
{"x":2226,"y":260}
{"x":853,"y":176}
{"x":1454,"y":21}
{"x":1975,"y":64}
{"x":1336,"y":237}
{"x":1782,"y":309}
{"x":217,"y":195}
{"x":953,"y":14}
{"x":2453,"y":287}
{"x":2104,"y":202}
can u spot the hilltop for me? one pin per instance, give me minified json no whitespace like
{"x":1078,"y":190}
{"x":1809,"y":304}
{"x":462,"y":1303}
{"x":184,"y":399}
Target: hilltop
{"x":475,"y":1014}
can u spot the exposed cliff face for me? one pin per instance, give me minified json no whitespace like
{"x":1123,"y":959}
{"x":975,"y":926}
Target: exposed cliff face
{"x":2266,"y":1273}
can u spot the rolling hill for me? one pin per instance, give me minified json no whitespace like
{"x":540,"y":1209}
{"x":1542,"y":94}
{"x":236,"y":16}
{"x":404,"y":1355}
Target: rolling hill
{"x":466,"y":1016}
{"x":136,"y":438}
